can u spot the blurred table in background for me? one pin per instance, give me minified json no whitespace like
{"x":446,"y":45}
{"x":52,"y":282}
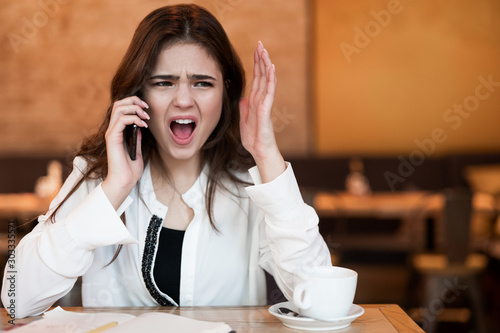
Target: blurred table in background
{"x":16,"y":209}
{"x":408,"y":209}
{"x":22,"y":206}
{"x":412,"y":209}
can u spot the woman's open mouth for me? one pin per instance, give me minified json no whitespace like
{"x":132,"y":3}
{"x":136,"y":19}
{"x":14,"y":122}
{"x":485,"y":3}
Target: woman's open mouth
{"x":182,"y":130}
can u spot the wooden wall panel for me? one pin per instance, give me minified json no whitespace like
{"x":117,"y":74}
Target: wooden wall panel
{"x":391,"y":76}
{"x":57,"y":58}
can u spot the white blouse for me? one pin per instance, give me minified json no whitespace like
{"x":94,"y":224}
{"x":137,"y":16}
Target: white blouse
{"x":261,"y":227}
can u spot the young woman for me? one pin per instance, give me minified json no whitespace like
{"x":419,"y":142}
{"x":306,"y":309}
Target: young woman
{"x":186,"y":222}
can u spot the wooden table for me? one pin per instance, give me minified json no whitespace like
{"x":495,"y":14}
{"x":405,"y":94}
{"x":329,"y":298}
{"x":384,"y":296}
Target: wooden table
{"x":380,"y":318}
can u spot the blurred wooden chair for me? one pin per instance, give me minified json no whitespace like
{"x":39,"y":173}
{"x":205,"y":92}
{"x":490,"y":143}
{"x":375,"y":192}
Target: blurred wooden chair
{"x":456,"y":271}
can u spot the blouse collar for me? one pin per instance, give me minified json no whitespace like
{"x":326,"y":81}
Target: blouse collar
{"x":194,"y":197}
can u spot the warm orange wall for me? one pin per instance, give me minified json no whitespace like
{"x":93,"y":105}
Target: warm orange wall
{"x":57,"y":58}
{"x":394,"y":91}
{"x":397,"y":86}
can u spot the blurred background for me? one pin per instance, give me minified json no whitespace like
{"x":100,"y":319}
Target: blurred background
{"x":383,"y":107}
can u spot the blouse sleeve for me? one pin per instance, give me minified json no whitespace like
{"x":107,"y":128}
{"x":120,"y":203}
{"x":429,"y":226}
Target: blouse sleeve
{"x":54,"y":254}
{"x":291,"y":237}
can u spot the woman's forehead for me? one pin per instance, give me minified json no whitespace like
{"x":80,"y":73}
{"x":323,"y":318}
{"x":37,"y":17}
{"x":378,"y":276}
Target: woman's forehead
{"x":189,"y":57}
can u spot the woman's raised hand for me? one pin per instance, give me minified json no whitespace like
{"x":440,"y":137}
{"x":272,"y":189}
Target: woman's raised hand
{"x":256,"y":126}
{"x":123,"y":172}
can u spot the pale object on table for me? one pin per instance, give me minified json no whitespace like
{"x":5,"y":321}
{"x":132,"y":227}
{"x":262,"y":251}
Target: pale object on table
{"x":48,"y":186}
{"x":356,"y":182}
{"x":484,"y":178}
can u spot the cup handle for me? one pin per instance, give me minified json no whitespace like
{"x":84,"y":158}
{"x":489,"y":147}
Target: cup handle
{"x":300,"y":298}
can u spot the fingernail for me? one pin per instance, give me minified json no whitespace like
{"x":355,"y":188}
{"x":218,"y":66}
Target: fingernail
{"x":144,"y":123}
{"x":145,"y":105}
{"x":147,"y":115}
{"x":274,"y":68}
{"x":260,"y":43}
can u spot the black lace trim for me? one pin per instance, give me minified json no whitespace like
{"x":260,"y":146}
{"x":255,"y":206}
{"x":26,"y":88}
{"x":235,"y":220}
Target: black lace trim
{"x":147,"y":260}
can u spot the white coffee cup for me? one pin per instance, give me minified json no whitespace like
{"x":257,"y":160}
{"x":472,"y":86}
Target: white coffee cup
{"x":324,"y":292}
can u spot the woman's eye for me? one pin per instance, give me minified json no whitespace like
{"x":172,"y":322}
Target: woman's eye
{"x":163,"y":83}
{"x":203,"y":84}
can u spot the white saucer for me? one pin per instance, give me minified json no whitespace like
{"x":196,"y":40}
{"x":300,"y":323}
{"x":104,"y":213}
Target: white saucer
{"x":304,"y":323}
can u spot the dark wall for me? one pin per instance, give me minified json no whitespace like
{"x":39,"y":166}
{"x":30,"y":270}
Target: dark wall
{"x":19,"y":174}
{"x":390,"y":173}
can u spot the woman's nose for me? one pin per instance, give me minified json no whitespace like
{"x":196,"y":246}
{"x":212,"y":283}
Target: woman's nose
{"x":183,"y":96}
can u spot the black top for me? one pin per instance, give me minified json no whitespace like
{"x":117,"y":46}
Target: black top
{"x":167,"y":270}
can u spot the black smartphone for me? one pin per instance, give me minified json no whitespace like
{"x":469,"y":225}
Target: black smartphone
{"x":131,"y":139}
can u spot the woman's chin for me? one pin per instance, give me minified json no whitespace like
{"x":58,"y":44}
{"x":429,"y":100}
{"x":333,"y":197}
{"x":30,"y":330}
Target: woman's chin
{"x":183,"y":154}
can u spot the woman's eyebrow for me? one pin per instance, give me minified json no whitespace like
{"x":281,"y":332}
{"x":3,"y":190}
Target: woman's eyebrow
{"x":171,"y":77}
{"x":165,"y":77}
{"x":201,"y":77}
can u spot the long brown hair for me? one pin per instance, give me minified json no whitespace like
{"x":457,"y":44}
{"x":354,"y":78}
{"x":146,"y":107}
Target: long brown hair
{"x":162,"y":28}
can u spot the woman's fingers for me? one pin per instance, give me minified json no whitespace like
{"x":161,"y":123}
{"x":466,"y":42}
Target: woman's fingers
{"x":256,"y":74}
{"x":129,"y":106}
{"x":132,"y":100}
{"x":132,"y":109}
{"x":131,"y":120}
{"x":125,"y":112}
{"x":263,"y":74}
{"x":264,"y":83}
{"x":119,"y":126}
{"x":262,"y":78}
{"x":256,"y":67}
{"x":269,"y":78}
{"x":271,"y":83}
